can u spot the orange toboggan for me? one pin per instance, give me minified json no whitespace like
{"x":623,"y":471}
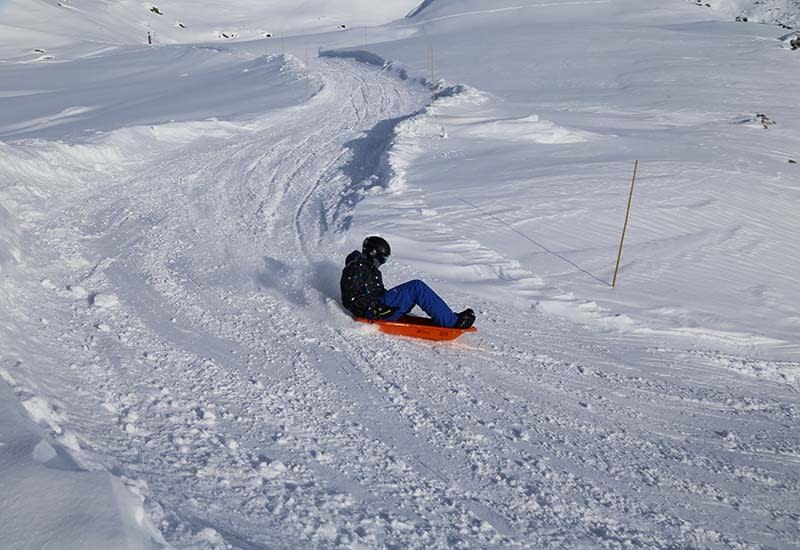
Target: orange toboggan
{"x":417,"y":327}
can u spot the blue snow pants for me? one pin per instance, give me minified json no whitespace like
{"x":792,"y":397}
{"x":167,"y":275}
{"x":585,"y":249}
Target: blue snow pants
{"x":416,"y":293}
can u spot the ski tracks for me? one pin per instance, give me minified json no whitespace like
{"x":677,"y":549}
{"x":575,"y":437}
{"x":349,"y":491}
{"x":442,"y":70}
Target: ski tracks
{"x":203,"y":381}
{"x":215,"y":372}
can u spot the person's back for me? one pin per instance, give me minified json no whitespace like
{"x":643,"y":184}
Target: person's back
{"x":361,"y":285}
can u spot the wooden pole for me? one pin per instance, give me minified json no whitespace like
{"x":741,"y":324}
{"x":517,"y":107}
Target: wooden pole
{"x":625,"y":227}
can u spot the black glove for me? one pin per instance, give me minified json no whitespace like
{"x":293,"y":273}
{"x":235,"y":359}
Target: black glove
{"x":382,"y":311}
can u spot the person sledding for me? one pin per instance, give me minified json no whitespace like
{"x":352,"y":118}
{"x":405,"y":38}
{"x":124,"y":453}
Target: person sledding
{"x":364,"y":295}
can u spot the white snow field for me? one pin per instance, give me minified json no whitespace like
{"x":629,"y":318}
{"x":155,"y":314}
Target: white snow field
{"x":176,"y":370}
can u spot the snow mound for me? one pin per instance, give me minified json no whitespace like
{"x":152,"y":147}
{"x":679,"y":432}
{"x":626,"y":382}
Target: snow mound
{"x":434,"y":9}
{"x":50,"y":501}
{"x":528,"y":128}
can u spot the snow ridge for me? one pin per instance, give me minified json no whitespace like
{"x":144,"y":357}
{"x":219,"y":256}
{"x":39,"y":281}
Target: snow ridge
{"x":419,"y":9}
{"x":10,"y":252}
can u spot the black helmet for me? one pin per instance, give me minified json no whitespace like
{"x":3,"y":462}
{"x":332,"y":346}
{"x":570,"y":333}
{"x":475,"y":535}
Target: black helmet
{"x":376,"y":249}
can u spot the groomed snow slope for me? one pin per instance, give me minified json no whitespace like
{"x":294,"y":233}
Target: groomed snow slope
{"x":542,"y":157}
{"x":64,"y":29}
{"x":173,"y":225}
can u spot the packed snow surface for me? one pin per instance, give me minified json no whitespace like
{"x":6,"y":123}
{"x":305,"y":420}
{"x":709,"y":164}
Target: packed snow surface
{"x":176,"y":369}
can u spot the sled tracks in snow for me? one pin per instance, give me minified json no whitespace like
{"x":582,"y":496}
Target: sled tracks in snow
{"x":202,"y":356}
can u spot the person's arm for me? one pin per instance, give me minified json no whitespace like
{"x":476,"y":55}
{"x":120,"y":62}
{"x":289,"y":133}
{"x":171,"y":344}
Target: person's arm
{"x":372,"y":304}
{"x":381,"y":310}
{"x":359,"y":280}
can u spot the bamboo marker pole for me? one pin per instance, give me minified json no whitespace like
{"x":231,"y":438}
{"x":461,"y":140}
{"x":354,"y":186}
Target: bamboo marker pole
{"x":625,"y":227}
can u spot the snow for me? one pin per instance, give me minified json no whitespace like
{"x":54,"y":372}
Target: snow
{"x":780,"y":12}
{"x":176,"y":369}
{"x":105,"y":300}
{"x":49,"y":501}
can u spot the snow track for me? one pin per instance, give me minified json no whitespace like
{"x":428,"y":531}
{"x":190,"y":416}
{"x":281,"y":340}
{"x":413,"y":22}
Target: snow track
{"x":191,"y":302}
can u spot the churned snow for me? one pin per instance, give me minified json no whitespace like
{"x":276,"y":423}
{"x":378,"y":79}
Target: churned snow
{"x":176,"y":369}
{"x":780,"y":12}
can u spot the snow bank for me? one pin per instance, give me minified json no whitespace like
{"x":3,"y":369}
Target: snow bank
{"x":434,"y":9}
{"x":530,"y":128}
{"x":443,"y":10}
{"x":419,"y":9}
{"x":146,"y":87}
{"x":51,"y":502}
{"x":9,"y":244}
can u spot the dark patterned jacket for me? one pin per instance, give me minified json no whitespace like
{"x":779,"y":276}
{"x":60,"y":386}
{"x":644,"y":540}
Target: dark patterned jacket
{"x":362,"y":285}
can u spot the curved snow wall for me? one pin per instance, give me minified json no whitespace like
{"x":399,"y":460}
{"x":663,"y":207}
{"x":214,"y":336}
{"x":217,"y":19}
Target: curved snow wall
{"x":9,"y":240}
{"x":419,"y":9}
{"x":35,"y":176}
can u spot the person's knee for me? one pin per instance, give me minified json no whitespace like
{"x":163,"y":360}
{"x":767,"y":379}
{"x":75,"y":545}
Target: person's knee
{"x":417,"y":285}
{"x":420,"y":289}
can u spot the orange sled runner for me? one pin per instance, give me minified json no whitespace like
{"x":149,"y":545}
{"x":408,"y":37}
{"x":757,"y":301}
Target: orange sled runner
{"x":417,"y":327}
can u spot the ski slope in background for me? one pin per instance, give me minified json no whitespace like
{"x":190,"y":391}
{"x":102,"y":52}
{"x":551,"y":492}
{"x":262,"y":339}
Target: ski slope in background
{"x":175,"y":367}
{"x":94,"y":26}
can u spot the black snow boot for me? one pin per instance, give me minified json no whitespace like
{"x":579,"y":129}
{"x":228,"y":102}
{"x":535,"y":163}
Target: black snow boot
{"x":465,"y":319}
